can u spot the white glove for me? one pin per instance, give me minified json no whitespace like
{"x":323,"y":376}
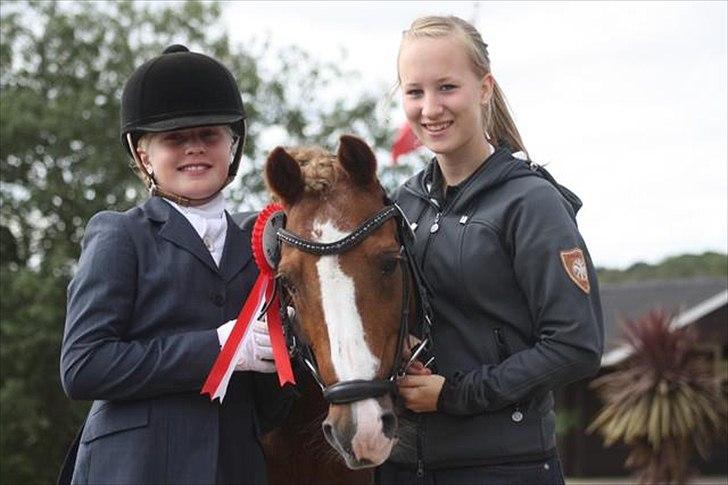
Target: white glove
{"x":257,"y":352}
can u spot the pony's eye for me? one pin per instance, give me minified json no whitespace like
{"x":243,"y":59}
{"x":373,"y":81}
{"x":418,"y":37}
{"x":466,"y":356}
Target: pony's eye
{"x":388,"y":265}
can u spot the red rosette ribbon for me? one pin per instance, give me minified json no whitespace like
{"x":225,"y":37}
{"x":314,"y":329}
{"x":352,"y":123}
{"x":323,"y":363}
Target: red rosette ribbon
{"x":258,"y":299}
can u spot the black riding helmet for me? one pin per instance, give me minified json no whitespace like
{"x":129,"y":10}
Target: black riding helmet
{"x":181,"y":89}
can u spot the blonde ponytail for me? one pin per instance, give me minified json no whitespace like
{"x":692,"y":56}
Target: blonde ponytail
{"x":502,"y":127}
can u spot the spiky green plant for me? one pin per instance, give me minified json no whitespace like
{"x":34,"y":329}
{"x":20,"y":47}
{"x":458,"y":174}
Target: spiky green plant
{"x":663,"y":401}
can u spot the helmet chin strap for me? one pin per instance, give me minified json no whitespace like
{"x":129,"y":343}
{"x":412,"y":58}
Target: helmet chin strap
{"x":155,"y":190}
{"x":178,"y":199}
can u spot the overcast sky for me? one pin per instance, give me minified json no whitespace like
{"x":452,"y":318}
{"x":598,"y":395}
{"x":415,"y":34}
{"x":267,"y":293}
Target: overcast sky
{"x":624,"y":101}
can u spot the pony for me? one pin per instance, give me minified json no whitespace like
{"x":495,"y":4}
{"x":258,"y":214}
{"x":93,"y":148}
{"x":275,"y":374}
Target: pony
{"x":346,"y":273}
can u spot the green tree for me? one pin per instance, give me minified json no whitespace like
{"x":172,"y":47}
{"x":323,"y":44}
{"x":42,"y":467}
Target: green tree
{"x":681,"y":266}
{"x":63,"y":68}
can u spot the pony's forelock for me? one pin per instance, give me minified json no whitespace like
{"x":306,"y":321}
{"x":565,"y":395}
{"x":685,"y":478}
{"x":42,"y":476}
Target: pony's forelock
{"x":318,"y":168}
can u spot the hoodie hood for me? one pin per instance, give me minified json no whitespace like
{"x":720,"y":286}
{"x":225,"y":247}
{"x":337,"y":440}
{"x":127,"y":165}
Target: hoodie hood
{"x":497,"y":169}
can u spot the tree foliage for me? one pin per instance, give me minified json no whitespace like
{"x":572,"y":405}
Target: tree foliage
{"x":63,"y":68}
{"x":682,"y":266}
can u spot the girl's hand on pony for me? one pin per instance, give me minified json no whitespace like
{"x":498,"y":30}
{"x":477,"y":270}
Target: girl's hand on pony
{"x":417,"y":368}
{"x":420,"y":391}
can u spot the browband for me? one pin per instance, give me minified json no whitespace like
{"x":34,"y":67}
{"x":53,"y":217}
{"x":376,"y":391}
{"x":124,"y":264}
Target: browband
{"x":344,"y":244}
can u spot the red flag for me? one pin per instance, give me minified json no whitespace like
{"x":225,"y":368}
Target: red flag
{"x":405,"y":142}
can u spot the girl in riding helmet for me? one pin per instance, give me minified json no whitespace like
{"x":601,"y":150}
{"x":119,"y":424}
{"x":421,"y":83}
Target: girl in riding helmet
{"x":156,"y":290}
{"x":514,"y":291}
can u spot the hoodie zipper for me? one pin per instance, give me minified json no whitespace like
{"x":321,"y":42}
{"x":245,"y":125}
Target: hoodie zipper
{"x":420,"y":461}
{"x":504,"y":351}
{"x":420,"y":418}
{"x":433,"y":230}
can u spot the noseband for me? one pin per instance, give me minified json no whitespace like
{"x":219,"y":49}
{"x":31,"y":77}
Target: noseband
{"x":344,"y":392}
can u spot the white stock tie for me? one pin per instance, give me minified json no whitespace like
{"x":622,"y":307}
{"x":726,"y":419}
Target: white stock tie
{"x":209,"y":222}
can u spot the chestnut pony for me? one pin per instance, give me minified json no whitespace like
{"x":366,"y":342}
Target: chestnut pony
{"x":343,"y":269}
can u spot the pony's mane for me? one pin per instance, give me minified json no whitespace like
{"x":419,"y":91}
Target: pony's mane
{"x":317,"y":166}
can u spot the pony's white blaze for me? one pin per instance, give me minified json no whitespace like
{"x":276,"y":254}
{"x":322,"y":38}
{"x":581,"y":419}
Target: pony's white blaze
{"x":369,"y":442}
{"x":350,"y":359}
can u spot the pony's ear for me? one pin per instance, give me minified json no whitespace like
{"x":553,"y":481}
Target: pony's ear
{"x":357,"y":159}
{"x":284,"y":177}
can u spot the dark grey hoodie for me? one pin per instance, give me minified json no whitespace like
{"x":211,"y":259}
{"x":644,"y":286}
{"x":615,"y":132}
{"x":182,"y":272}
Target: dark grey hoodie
{"x":517,"y":312}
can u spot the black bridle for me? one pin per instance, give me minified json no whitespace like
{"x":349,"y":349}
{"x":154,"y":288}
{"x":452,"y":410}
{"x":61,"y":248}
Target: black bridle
{"x":344,"y":392}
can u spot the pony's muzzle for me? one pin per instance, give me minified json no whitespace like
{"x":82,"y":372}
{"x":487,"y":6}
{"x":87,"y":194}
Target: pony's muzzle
{"x":365,"y":441}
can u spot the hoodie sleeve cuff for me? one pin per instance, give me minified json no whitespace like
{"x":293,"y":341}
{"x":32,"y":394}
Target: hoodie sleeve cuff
{"x":464,"y":394}
{"x":447,"y":401}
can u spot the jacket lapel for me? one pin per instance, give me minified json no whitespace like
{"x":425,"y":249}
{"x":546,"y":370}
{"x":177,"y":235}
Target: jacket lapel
{"x":236,"y":254}
{"x":177,"y":230}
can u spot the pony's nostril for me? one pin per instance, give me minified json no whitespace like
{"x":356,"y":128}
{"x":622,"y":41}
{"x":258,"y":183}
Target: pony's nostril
{"x":389,"y":424}
{"x":328,"y":432}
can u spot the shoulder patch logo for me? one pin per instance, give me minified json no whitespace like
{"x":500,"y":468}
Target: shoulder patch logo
{"x":575,"y":266}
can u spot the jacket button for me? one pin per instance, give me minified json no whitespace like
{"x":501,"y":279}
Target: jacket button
{"x":217,"y":299}
{"x":517,"y":416}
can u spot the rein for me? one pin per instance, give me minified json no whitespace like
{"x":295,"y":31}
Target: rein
{"x":344,"y":392}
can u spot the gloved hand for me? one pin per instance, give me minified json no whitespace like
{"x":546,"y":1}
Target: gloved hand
{"x":257,"y":352}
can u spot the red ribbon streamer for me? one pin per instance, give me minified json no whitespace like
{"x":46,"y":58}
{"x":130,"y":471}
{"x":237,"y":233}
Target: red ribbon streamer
{"x":263,"y":291}
{"x":278,"y":340}
{"x":224,"y":360}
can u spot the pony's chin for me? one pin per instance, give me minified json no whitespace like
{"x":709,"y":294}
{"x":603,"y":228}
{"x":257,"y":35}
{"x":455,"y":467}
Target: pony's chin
{"x":353,"y":463}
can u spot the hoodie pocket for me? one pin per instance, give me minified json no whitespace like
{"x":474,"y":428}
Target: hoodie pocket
{"x":504,"y":351}
{"x":501,"y":345}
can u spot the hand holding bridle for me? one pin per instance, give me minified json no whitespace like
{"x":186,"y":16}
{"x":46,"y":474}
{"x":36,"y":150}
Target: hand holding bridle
{"x":420,"y":392}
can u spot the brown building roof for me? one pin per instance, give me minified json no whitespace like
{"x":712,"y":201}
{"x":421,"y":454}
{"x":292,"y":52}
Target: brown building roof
{"x":634,"y":299}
